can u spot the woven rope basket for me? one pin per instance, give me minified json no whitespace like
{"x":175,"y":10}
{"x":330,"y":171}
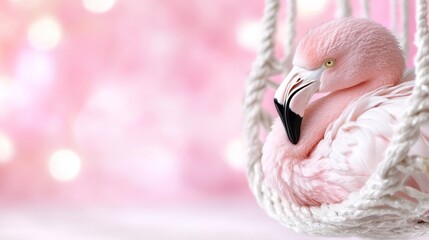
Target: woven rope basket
{"x":374,"y":211}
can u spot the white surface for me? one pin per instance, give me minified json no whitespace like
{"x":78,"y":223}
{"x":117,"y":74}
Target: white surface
{"x":204,"y":221}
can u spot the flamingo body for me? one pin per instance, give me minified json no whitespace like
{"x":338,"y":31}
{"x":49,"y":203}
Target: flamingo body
{"x":344,"y":134}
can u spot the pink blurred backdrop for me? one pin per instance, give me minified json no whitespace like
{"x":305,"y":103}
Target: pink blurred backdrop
{"x":146,"y":93}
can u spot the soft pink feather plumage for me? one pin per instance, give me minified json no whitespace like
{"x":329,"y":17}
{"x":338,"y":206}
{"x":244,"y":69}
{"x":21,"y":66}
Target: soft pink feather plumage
{"x":344,"y":134}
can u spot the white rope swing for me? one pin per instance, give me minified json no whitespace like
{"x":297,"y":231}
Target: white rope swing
{"x":373,"y":211}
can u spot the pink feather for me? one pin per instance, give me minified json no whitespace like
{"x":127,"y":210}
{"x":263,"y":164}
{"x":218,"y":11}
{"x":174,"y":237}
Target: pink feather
{"x":345,"y":133}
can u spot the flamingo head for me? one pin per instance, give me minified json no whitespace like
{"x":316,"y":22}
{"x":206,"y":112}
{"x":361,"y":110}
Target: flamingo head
{"x":340,"y":54}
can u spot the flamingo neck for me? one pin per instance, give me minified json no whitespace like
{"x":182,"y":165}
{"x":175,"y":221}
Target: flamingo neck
{"x":322,"y":112}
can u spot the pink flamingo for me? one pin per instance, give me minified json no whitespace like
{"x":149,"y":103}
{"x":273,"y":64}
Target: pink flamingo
{"x":333,"y":144}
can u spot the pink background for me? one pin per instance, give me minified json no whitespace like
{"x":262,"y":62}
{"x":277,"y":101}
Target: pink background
{"x":148,"y":94}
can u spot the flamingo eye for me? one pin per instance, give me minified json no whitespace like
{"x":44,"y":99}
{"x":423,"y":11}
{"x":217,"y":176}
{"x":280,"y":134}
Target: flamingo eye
{"x":329,"y":63}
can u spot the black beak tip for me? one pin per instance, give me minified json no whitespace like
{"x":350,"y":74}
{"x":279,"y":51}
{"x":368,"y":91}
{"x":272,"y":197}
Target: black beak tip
{"x":293,"y":140}
{"x":291,"y":122}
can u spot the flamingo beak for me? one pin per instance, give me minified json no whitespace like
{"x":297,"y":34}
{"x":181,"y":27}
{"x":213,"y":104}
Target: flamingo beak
{"x":292,"y":97}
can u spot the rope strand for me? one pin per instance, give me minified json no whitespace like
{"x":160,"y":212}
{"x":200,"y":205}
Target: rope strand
{"x":366,"y":8}
{"x":404,"y":27}
{"x":343,"y":9}
{"x":393,"y":16}
{"x":263,"y":67}
{"x":290,"y":34}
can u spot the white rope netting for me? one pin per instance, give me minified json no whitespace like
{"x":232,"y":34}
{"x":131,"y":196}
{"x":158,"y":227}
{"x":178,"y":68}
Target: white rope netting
{"x":373,"y":211}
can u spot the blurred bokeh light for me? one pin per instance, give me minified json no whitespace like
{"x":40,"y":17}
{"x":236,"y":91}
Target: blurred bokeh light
{"x":44,"y":33}
{"x":64,"y":165}
{"x":98,"y":6}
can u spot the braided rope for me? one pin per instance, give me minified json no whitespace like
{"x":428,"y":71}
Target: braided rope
{"x":263,"y":67}
{"x":374,"y":211}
